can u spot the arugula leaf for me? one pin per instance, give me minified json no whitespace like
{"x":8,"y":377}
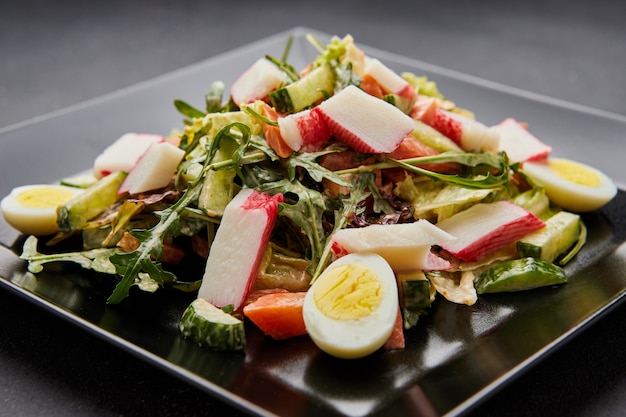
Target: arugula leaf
{"x":212,"y":99}
{"x":480,"y":176}
{"x":94,"y":259}
{"x":187,"y":286}
{"x":380,"y":204}
{"x":287,"y":49}
{"x":317,"y":172}
{"x":291,"y":72}
{"x":476,"y":179}
{"x":240,"y":152}
{"x":350,"y":204}
{"x":252,"y":112}
{"x":307,"y":212}
{"x":187,"y":109}
{"x":146,"y":258}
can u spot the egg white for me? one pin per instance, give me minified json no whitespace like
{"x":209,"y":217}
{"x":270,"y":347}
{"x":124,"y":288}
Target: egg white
{"x":354,"y":338}
{"x":569,"y":195}
{"x":38,"y":221}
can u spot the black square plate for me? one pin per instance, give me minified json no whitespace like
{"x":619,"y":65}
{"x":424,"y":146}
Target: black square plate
{"x":455,"y":357}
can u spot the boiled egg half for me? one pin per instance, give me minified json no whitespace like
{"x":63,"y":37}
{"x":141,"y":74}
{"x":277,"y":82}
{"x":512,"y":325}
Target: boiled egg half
{"x":571,"y":185}
{"x":350,"y":310}
{"x":32,"y":209}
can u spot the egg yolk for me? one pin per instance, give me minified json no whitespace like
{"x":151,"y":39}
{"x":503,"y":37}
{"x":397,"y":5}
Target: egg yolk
{"x":348,"y":292}
{"x":44,"y":197}
{"x":575,"y":173}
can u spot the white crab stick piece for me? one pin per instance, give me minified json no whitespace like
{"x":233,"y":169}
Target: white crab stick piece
{"x":487,"y":227}
{"x":366,"y":123}
{"x":239,"y":244}
{"x":405,"y":246}
{"x":124,"y":153}
{"x":154,"y":169}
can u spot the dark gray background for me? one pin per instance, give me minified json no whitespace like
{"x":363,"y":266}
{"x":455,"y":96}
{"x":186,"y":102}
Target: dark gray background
{"x":57,"y":54}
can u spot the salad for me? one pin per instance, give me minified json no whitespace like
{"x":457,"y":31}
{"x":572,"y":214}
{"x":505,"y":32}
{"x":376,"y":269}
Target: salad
{"x":336,"y":201}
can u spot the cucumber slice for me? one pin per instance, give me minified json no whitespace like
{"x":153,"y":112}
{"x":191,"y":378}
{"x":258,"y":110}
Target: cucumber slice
{"x":210,"y":326}
{"x":219,"y":186}
{"x":308,"y":90}
{"x":433,"y":138}
{"x":519,"y":275}
{"x":400,"y":102}
{"x":415,"y":290}
{"x":85,"y":180}
{"x":410,"y":318}
{"x":74,"y":214}
{"x":562,"y":231}
{"x":416,"y":296}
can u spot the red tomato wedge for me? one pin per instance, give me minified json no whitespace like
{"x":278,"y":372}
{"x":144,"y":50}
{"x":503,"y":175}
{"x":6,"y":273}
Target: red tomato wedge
{"x":396,"y":339}
{"x":411,"y":147}
{"x":371,"y":86}
{"x":272,"y":134}
{"x":278,"y":315}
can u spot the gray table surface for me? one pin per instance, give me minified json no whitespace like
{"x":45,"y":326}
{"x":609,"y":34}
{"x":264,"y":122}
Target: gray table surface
{"x":57,"y":54}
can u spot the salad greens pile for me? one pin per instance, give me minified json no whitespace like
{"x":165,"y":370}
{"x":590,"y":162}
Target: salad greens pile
{"x":137,"y":237}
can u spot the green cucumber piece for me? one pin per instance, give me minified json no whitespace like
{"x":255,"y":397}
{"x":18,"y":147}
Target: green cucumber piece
{"x":303,"y":93}
{"x":219,"y":186}
{"x":562,"y":231}
{"x":520,"y":275}
{"x":210,"y":326}
{"x":85,"y":180}
{"x":402,"y":103}
{"x":416,"y":296}
{"x":74,"y":214}
{"x":217,"y":191}
{"x":433,"y":138}
{"x":415,"y":291}
{"x":410,"y":318}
